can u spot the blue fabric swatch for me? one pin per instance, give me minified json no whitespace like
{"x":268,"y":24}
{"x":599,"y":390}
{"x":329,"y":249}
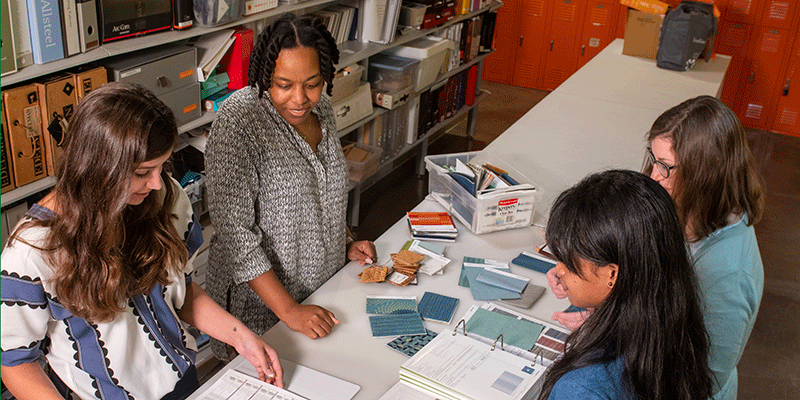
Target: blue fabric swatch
{"x":437,"y":307}
{"x":483,"y":292}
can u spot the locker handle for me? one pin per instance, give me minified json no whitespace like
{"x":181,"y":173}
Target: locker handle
{"x":520,"y":39}
{"x":583,"y":50}
{"x":786,"y":87}
{"x":162,"y":81}
{"x":752,"y":77}
{"x":551,"y":45}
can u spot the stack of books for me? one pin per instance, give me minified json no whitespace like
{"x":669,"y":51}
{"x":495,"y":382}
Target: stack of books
{"x":436,"y":226}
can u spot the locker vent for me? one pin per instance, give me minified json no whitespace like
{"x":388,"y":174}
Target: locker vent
{"x":788,"y":116}
{"x":778,"y":10}
{"x":736,"y":37}
{"x":741,"y":7}
{"x":566,"y":11}
{"x":599,"y":15}
{"x":554,"y":77}
{"x":771,"y":42}
{"x":534,"y":8}
{"x":753,"y":111}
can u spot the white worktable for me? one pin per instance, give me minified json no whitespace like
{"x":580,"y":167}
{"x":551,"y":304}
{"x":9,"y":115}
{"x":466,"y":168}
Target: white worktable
{"x":351,"y":353}
{"x":595,"y":120}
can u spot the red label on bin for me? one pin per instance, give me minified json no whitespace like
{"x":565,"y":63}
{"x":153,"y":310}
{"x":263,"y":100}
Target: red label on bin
{"x":508,"y":202}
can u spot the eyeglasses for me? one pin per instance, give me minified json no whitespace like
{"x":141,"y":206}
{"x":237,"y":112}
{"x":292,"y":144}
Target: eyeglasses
{"x":662,"y":167}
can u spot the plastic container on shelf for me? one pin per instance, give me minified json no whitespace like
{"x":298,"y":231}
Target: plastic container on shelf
{"x":360,"y":170}
{"x":217,"y":12}
{"x":431,"y":52}
{"x":491,"y":211}
{"x":388,"y":73}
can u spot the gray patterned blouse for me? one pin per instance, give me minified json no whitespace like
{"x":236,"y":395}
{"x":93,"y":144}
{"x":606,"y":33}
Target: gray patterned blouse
{"x":274,"y":204}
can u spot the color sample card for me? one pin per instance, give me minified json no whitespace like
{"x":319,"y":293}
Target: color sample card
{"x":411,"y":344}
{"x":396,"y":325}
{"x":391,"y":305}
{"x":503,"y":280}
{"x":534,"y":261}
{"x":437,"y":307}
{"x":481,"y":291}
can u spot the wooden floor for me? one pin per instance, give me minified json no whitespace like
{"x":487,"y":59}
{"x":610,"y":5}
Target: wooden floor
{"x":770,"y":366}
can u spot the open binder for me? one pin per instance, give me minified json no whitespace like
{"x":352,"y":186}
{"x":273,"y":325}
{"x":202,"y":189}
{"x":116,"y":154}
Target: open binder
{"x":459,"y":365}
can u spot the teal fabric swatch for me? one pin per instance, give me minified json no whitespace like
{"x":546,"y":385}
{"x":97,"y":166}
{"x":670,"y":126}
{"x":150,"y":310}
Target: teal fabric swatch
{"x":516,"y":332}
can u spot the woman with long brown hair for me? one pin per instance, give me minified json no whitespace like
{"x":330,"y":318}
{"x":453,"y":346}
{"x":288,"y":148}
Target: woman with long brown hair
{"x":95,"y":278}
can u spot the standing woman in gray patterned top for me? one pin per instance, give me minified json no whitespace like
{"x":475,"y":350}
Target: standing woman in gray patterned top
{"x":277,"y":183}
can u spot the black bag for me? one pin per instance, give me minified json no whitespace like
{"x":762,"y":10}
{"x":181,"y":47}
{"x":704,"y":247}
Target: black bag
{"x":684,"y":34}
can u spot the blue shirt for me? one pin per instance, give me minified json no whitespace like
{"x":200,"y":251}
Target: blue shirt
{"x":597,"y":381}
{"x":731,"y":276}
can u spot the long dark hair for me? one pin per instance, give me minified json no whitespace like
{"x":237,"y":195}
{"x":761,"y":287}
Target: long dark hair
{"x":104,"y":251}
{"x":652,"y":317}
{"x":716,"y":174}
{"x":289,"y":32}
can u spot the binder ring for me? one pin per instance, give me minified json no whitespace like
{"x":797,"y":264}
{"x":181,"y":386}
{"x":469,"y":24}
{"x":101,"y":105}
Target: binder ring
{"x":463,"y":325}
{"x":500,"y":338}
{"x":27,"y":128}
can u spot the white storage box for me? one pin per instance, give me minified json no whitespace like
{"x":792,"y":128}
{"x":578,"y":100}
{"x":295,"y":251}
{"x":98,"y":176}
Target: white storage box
{"x":345,"y":85}
{"x":353,"y":108}
{"x":359,"y":170}
{"x":499,"y":209}
{"x":432,"y":54}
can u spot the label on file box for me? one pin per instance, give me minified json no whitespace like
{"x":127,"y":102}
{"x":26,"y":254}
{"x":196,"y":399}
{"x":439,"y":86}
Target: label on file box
{"x":506,"y":209}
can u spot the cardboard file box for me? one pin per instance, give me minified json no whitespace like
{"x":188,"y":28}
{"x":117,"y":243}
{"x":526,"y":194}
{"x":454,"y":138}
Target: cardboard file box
{"x":58,"y":99}
{"x":365,"y":166}
{"x":345,"y":85}
{"x":184,"y":103}
{"x":160,"y":70}
{"x":6,"y":173}
{"x":92,"y":79}
{"x":23,"y":119}
{"x":431,"y":52}
{"x":497,"y":210}
{"x":353,"y":108}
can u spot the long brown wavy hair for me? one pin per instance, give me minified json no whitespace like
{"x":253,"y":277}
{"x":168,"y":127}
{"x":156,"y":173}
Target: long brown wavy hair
{"x":102,"y":250}
{"x":717,"y":174}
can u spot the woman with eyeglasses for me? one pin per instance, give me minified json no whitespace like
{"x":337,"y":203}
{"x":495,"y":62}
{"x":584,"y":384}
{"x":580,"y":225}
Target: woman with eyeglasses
{"x":699,"y":153}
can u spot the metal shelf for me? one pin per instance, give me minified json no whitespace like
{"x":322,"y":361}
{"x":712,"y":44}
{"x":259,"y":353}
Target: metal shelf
{"x":354,"y":51}
{"x":146,"y":41}
{"x":22,"y":192}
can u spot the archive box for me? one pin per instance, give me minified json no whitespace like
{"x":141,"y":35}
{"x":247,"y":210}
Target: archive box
{"x":346,"y":82}
{"x":353,"y":108}
{"x":490,"y":211}
{"x":359,"y":170}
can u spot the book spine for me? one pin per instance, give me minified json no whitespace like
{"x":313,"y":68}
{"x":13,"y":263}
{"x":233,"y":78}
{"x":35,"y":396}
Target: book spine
{"x":472,"y":85}
{"x":88,"y":29}
{"x":22,"y":35}
{"x":44,"y":20}
{"x":69,"y":27}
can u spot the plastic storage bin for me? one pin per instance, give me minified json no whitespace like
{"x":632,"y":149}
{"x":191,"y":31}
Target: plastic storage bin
{"x":489,"y":212}
{"x":359,"y":170}
{"x":388,"y":73}
{"x":431,"y":52}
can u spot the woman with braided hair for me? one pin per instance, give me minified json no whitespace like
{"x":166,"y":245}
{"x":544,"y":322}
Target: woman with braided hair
{"x":277,"y":184}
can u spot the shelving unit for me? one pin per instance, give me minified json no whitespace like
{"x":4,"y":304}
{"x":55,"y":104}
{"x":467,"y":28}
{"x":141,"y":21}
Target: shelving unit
{"x":350,"y":52}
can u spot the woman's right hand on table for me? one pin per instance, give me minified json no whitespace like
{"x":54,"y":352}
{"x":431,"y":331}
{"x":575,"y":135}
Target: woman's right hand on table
{"x":310,"y":320}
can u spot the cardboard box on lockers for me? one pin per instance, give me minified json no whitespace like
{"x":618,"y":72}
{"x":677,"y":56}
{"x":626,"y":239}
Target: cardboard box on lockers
{"x":23,"y":119}
{"x":57,"y":99}
{"x":643,"y":27}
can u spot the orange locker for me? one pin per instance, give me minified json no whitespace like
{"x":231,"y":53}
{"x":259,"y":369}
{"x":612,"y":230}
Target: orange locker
{"x":620,"y":19}
{"x":530,"y":50}
{"x":733,"y":40}
{"x":787,"y":115}
{"x":597,"y":30}
{"x":562,"y":42}
{"x":779,"y":13}
{"x":745,"y":11}
{"x":760,"y":91}
{"x":498,"y":67}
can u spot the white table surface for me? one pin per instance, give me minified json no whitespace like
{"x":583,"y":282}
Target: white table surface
{"x":597,"y":119}
{"x":351,"y":353}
